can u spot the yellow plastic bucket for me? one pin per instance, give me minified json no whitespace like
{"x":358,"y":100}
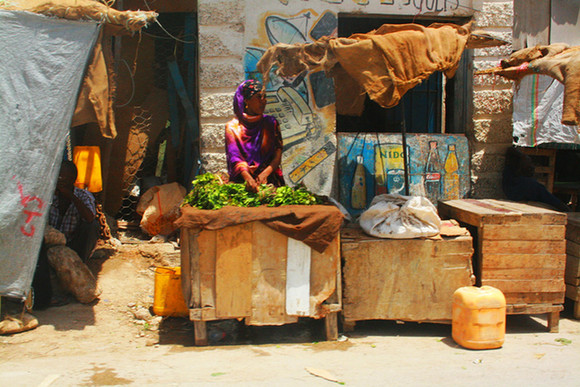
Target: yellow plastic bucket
{"x":88,"y":162}
{"x":478,"y":320}
{"x":168,"y":299}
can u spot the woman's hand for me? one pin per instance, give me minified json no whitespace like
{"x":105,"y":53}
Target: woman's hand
{"x":263,"y":176}
{"x":251,"y":184}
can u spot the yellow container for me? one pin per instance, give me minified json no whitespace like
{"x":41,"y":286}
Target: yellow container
{"x":168,"y":299}
{"x":88,"y":162}
{"x":478,"y":317}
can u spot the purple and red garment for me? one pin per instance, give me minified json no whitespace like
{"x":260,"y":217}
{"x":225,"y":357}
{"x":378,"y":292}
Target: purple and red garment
{"x":251,"y":140}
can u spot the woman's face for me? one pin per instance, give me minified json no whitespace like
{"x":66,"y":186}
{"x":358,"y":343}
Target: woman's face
{"x":256,"y":104}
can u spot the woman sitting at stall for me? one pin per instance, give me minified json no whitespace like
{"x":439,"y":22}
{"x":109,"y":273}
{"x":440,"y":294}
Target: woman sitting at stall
{"x":253,"y":140}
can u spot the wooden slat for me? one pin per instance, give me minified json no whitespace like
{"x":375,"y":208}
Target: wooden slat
{"x":533,"y":308}
{"x":234,"y":271}
{"x":206,"y":245}
{"x":573,"y":232}
{"x":572,"y":269}
{"x":517,"y":261}
{"x":325,"y":278}
{"x":526,"y":286}
{"x":523,"y":232}
{"x":573,"y":248}
{"x":269,"y":277}
{"x":185,"y":266}
{"x":523,"y":247}
{"x":535,"y":298}
{"x":522,"y":273}
{"x":573,"y":292}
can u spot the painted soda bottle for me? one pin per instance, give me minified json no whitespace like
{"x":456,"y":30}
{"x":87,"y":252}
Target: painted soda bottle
{"x":451,"y":178}
{"x":433,"y":174}
{"x":359,"y":186}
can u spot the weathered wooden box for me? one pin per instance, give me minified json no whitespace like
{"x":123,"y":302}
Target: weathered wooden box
{"x":520,"y":249}
{"x":252,"y":272}
{"x":402,"y":279}
{"x":572,"y":277}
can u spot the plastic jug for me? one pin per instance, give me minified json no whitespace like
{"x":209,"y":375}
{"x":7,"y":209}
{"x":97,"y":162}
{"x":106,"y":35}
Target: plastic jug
{"x":168,"y":298}
{"x":478,"y":317}
{"x":88,"y":162}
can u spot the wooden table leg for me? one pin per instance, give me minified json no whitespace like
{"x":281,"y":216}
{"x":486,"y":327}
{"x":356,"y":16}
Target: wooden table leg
{"x":577,"y":310}
{"x":331,"y":326}
{"x":200,"y":331}
{"x":553,"y":322}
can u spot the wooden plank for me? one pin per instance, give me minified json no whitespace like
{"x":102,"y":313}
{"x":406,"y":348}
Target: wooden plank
{"x":331,"y":326}
{"x":522,"y":273}
{"x":572,"y":269}
{"x":574,"y":219}
{"x":573,"y":292}
{"x":516,"y":261}
{"x":573,"y":232}
{"x":535,"y":298}
{"x":573,"y":248}
{"x":402,"y":279}
{"x":185,"y":265}
{"x":533,"y":309}
{"x":532,"y":214}
{"x":269,"y":277}
{"x":194,"y":257}
{"x":325,"y":279}
{"x":523,"y":232}
{"x":526,"y":286}
{"x":233,"y":271}
{"x":523,"y":247}
{"x":206,"y":245}
{"x":298,"y":278}
{"x":200,"y":332}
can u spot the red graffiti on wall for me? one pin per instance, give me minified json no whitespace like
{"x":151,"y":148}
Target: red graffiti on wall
{"x":25,"y":200}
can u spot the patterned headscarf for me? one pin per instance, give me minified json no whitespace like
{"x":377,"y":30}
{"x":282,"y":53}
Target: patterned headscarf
{"x":244,"y":92}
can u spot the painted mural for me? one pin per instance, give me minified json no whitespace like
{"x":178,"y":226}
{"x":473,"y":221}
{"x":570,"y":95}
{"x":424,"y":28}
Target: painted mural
{"x":305,"y":104}
{"x":372,"y":164}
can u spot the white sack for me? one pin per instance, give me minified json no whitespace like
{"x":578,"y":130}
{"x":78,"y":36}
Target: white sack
{"x":160,"y":208}
{"x":42,"y":63}
{"x":399,"y":217}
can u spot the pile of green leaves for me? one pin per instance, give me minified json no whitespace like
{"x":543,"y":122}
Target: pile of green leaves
{"x":209,"y":193}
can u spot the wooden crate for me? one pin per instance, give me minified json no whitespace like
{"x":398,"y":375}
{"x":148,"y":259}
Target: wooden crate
{"x":572,"y":277}
{"x":520,"y":249}
{"x":253,"y":272}
{"x":402,"y":279}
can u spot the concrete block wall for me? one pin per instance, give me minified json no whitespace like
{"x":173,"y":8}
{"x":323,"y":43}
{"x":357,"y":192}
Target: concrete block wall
{"x":491,"y":132}
{"x":221,"y":50}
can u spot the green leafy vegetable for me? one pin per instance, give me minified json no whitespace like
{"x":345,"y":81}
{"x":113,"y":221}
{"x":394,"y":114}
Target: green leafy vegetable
{"x":208,"y":192}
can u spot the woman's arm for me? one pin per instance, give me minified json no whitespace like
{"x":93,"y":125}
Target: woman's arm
{"x":263,"y":176}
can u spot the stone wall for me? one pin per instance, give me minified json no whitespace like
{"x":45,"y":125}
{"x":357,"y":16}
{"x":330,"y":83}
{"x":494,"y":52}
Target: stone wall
{"x":221,"y":49}
{"x":491,"y":132}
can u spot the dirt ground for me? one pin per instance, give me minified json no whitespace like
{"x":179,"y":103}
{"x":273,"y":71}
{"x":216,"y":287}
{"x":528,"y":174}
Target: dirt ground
{"x":115,"y":341}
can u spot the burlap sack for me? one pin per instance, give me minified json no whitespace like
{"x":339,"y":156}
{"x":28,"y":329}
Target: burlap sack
{"x":53,"y":237}
{"x":74,"y":276}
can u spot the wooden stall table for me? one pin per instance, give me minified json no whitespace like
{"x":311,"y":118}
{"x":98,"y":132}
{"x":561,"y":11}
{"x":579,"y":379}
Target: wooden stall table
{"x":520,"y":249}
{"x":572,"y":277}
{"x":250,"y":271}
{"x":402,"y":279}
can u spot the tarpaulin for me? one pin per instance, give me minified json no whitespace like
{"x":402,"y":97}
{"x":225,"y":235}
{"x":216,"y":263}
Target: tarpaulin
{"x":43,"y":62}
{"x":537,"y":115}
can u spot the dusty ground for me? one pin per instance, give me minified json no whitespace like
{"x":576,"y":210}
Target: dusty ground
{"x":106,"y":344}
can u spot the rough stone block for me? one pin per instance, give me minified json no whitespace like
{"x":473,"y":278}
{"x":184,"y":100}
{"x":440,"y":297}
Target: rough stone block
{"x":217,"y":75}
{"x":212,"y":136}
{"x":495,"y":15}
{"x":487,"y":186}
{"x":217,"y":105}
{"x":484,"y":161}
{"x":220,"y":42}
{"x":221,"y":12}
{"x":214,"y":162}
{"x":492,"y":101}
{"x":495,"y":131}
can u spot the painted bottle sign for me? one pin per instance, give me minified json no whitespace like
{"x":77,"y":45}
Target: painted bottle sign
{"x":451,"y":178}
{"x":433,"y":174}
{"x":389,"y":161}
{"x":359,"y":187}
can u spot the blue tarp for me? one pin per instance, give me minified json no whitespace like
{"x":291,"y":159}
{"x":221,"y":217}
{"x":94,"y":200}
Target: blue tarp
{"x":42,"y":63}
